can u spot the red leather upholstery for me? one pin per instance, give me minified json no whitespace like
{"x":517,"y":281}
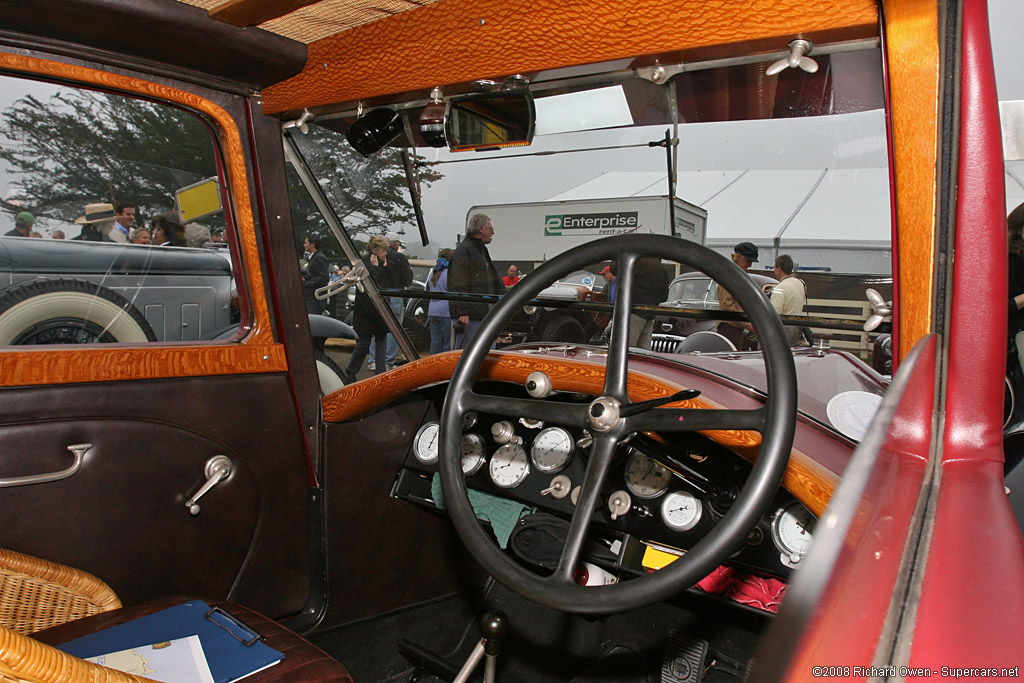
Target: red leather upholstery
{"x":302,"y":661}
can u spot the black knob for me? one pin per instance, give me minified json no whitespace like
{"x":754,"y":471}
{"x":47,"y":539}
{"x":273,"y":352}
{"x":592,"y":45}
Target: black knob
{"x":494,"y":628}
{"x":531,"y":385}
{"x":597,"y":410}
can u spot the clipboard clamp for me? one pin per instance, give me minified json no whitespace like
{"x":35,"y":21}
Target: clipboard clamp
{"x":233,"y":626}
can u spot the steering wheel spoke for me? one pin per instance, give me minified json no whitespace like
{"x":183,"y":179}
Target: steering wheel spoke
{"x":597,"y":471}
{"x":696,"y":419}
{"x":570,"y":414}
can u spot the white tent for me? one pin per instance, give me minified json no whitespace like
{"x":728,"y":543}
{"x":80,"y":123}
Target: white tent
{"x":829,"y":219}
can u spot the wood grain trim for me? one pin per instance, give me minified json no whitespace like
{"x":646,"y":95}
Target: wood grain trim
{"x":114,"y":362}
{"x":804,"y":478}
{"x":457,"y":41}
{"x":51,"y":366}
{"x":912,"y":52}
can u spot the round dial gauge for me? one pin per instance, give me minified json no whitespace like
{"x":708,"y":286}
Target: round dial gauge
{"x":681,"y":510}
{"x":509,"y":466}
{"x":791,"y":531}
{"x":424,"y":445}
{"x":645,"y":478}
{"x":469,"y":419}
{"x":473,"y":453}
{"x":552,"y":450}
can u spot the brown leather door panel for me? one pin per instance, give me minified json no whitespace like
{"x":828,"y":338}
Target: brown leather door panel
{"x":122,"y":516}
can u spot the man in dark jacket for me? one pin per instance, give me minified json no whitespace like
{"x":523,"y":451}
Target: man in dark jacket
{"x":315,"y":274}
{"x":472,"y":272}
{"x":650,"y":288}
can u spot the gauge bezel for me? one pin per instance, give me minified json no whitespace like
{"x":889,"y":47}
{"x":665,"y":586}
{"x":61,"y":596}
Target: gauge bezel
{"x":566,"y":459}
{"x":416,"y":443}
{"x":792,"y":508}
{"x":519,"y":454}
{"x":669,"y":497}
{"x":483,"y":453}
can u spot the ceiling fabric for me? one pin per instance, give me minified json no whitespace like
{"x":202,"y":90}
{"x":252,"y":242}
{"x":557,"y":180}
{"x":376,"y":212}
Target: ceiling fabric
{"x":326,"y":17}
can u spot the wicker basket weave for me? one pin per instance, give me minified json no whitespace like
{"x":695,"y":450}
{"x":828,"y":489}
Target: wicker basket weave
{"x":36,"y":594}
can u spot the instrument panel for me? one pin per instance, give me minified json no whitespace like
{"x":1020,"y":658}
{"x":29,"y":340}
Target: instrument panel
{"x":666,"y":493}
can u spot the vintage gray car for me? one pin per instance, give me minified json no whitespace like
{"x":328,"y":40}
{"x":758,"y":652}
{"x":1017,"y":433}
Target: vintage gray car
{"x":66,"y":292}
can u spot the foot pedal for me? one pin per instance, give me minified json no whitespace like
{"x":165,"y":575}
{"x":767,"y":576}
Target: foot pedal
{"x":685,"y":659}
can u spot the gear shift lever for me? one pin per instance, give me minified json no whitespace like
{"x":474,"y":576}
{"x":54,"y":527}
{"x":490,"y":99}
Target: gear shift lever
{"x":493,"y":628}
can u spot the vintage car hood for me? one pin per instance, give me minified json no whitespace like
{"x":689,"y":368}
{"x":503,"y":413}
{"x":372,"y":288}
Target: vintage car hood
{"x":68,"y":257}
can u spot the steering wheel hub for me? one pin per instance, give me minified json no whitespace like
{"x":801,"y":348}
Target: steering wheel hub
{"x":603,"y":414}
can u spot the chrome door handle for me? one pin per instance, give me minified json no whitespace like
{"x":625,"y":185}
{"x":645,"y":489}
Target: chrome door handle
{"x":217,"y":469}
{"x":78,"y":450}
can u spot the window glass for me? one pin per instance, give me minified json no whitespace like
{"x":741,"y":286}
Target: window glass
{"x":112,"y":221}
{"x":793,"y":164}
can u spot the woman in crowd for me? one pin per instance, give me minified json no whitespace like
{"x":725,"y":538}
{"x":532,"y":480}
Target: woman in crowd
{"x":168,"y":232}
{"x":367,"y":321}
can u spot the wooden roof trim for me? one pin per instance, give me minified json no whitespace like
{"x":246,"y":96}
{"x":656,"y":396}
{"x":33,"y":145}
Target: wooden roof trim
{"x":457,"y":41}
{"x":806,"y":479}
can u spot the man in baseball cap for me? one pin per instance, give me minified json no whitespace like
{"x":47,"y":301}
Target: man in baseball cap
{"x":23,"y":223}
{"x":744,"y":255}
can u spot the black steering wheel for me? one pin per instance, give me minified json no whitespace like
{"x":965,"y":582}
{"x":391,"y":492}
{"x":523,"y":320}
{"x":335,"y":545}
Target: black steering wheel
{"x":776,"y":422}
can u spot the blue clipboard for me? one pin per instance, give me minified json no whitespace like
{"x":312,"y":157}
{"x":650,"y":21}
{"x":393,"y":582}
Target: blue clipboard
{"x":232,"y":649}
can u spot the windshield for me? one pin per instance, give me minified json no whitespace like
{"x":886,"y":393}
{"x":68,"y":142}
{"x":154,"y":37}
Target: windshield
{"x":794,"y":165}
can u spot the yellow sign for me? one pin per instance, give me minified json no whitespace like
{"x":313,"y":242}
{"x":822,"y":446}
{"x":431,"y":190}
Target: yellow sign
{"x":198,"y":200}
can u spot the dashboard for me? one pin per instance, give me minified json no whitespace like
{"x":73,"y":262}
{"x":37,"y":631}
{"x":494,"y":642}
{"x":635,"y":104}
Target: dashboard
{"x":661,"y":495}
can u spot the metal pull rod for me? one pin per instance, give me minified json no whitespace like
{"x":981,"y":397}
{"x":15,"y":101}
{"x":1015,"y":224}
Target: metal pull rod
{"x":217,"y":469}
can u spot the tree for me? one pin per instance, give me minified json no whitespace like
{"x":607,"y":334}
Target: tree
{"x":80,"y":146}
{"x":369,"y":195}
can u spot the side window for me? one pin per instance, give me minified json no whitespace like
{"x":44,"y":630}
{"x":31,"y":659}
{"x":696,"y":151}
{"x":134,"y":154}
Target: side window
{"x":111,"y":221}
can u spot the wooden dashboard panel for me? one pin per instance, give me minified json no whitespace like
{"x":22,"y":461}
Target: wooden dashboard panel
{"x":806,"y":479}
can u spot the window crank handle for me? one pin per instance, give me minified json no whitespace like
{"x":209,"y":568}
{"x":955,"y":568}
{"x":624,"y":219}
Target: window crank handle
{"x":217,"y":469}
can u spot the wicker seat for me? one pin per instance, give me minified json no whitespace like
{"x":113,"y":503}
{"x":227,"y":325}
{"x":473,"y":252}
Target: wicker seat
{"x":36,"y":594}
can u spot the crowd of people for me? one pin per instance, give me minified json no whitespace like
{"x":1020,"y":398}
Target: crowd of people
{"x":104,"y":222}
{"x":469,"y":269}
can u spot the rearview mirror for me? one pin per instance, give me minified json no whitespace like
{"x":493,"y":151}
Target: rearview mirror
{"x":490,"y":120}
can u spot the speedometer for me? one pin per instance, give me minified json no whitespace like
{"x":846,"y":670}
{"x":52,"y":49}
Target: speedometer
{"x":646,"y":478}
{"x":552,"y":450}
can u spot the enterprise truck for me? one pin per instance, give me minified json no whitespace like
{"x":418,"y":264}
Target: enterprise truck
{"x":550,"y":228}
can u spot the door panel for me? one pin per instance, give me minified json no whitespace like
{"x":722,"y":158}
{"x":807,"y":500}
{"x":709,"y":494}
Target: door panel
{"x":122,"y":515}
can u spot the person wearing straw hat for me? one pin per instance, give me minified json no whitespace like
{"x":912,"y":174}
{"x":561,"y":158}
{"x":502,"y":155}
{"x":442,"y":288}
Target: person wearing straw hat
{"x":96,"y":223}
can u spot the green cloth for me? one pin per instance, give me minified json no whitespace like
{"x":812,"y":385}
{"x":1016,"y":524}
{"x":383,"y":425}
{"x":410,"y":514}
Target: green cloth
{"x":502,"y":514}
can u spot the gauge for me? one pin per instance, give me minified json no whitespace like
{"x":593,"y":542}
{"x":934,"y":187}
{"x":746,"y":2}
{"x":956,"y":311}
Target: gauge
{"x":509,"y":466}
{"x":681,"y":510}
{"x":791,"y":531}
{"x":469,"y":419}
{"x":473,"y":453}
{"x":424,"y":445}
{"x":552,"y":450}
{"x":530,"y":423}
{"x":645,"y":478}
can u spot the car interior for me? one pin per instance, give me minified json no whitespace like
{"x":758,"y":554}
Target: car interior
{"x":578,"y":500}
